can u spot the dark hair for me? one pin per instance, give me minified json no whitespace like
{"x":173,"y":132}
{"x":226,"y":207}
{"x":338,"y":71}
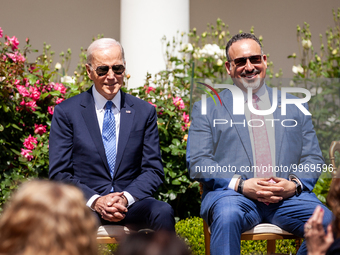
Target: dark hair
{"x":239,"y":37}
{"x":156,"y":243}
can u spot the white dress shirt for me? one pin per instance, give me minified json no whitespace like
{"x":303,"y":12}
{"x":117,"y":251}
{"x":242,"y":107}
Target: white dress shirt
{"x":100,"y":103}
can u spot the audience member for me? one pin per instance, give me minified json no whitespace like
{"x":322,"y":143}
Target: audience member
{"x":318,"y":241}
{"x":47,"y":218}
{"x":154,"y":243}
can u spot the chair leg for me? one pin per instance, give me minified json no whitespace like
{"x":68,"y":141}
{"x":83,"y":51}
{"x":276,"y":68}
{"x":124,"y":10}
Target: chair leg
{"x":298,"y":243}
{"x":206,"y":238}
{"x":271,"y":246}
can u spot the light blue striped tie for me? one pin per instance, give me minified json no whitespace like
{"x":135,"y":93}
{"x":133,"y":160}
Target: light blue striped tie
{"x":109,"y":136}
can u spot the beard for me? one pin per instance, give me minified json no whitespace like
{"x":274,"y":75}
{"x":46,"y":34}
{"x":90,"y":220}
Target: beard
{"x":252,"y":83}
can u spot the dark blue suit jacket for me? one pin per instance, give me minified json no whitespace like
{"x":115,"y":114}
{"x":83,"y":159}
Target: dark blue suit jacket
{"x":77,"y":152}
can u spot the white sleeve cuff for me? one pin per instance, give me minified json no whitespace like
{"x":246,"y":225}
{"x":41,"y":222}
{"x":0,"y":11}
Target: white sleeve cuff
{"x":233,"y":181}
{"x":91,"y":200}
{"x":129,"y":198}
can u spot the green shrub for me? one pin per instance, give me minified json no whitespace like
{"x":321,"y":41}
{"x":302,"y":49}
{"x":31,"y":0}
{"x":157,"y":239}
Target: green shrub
{"x":191,"y":230}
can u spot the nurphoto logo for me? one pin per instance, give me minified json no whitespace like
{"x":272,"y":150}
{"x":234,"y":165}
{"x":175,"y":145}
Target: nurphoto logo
{"x":238,"y":99}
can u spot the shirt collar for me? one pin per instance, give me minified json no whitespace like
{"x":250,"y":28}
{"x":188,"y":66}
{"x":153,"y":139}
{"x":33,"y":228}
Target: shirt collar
{"x":261,"y":93}
{"x":100,"y":101}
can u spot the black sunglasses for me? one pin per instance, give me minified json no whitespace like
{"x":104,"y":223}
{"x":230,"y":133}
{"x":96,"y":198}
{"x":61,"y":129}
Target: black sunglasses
{"x":255,"y":59}
{"x":103,"y":70}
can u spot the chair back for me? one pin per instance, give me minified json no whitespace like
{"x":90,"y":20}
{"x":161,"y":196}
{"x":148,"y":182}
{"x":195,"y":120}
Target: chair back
{"x":335,"y":146}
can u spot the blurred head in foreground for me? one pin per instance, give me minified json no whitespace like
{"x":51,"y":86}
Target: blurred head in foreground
{"x":333,"y":200}
{"x":155,"y":243}
{"x":44,"y":217}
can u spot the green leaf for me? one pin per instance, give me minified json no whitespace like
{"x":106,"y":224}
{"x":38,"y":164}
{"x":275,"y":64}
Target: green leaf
{"x":55,"y":93}
{"x":172,"y":196}
{"x":176,"y":182}
{"x":15,"y":151}
{"x":176,"y":142}
{"x":16,"y":127}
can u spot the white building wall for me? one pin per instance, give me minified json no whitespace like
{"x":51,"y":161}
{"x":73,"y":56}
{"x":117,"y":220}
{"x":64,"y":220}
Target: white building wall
{"x":143,"y":24}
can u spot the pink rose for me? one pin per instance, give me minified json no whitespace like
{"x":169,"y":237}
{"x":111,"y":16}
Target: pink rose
{"x":30,"y":142}
{"x":149,"y":89}
{"x":1,"y":33}
{"x":185,"y":118}
{"x":178,"y":102}
{"x":32,"y":105}
{"x":20,"y":58}
{"x":59,"y":100}
{"x":22,"y":91}
{"x":16,"y":57}
{"x":50,"y":110}
{"x":60,"y":87}
{"x":184,"y":127}
{"x":25,"y":81}
{"x":13,"y":42}
{"x":4,"y":57}
{"x":39,"y":129}
{"x":26,"y":154}
{"x":152,"y":104}
{"x":35,"y":93}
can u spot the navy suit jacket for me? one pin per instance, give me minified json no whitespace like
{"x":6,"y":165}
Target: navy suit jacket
{"x":225,"y":145}
{"x":77,"y":153}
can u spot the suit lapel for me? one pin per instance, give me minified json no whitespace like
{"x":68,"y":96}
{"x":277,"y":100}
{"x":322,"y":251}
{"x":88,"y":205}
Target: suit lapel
{"x":241,"y":130}
{"x":127,"y":114}
{"x":90,"y":118}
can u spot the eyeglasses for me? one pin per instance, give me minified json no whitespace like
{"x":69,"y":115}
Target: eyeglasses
{"x":255,"y":59}
{"x":103,"y":70}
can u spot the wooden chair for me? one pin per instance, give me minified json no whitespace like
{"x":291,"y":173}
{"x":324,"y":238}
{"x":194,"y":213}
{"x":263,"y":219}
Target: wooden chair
{"x":114,"y":233}
{"x":111,"y":233}
{"x":263,"y":231}
{"x":335,"y":146}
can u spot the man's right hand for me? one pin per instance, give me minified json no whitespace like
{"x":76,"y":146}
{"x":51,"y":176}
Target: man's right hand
{"x":251,"y":187}
{"x":111,"y":207}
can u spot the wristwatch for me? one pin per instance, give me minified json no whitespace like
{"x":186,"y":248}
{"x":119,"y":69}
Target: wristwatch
{"x":240,"y":186}
{"x":298,"y":189}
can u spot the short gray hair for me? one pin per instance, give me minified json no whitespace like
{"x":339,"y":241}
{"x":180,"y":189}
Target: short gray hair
{"x":101,"y":44}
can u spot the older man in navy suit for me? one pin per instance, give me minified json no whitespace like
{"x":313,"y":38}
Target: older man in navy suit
{"x":254,"y":168}
{"x":106,"y":143}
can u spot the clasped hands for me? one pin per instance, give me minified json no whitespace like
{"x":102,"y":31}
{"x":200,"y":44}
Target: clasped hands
{"x":268,"y":190}
{"x":111,"y":207}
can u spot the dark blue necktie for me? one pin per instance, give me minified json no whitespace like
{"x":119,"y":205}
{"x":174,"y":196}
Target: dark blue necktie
{"x":109,"y":136}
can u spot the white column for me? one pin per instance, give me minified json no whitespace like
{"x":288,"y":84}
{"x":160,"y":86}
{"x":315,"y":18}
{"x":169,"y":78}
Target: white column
{"x":143,"y":23}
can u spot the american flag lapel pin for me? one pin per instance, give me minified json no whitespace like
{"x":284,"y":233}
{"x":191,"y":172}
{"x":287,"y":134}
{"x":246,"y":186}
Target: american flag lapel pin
{"x":128,"y":111}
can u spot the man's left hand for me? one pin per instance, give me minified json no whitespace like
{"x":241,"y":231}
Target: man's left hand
{"x":289,"y":188}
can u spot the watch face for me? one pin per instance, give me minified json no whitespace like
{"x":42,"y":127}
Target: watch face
{"x":298,"y":187}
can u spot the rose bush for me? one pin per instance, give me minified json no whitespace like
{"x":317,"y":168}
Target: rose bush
{"x":28,"y":95}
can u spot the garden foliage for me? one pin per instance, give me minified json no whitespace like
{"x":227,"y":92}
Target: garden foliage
{"x":29,"y":92}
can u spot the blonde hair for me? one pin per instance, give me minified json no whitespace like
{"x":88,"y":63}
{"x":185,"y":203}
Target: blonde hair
{"x":44,"y":217}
